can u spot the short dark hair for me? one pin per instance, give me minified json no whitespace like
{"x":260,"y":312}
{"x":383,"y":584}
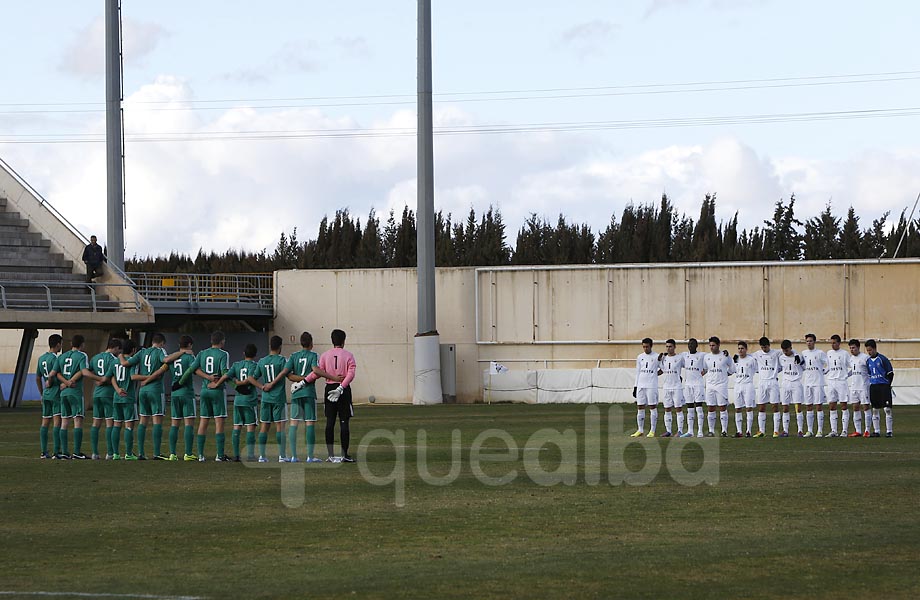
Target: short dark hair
{"x":306,"y":339}
{"x":250,"y":351}
{"x":54,"y":339}
{"x":647,"y":341}
{"x":836,"y":338}
{"x":743,"y":344}
{"x":812,"y":336}
{"x":275,"y":342}
{"x":786,"y":345}
{"x":854,"y":342}
{"x":217,"y":337}
{"x":764,"y":341}
{"x":715,"y":340}
{"x":871,"y":344}
{"x":129,"y":347}
{"x":670,"y":341}
{"x":338,"y":337}
{"x":77,"y":341}
{"x":692,"y":341}
{"x":158,"y":338}
{"x":186,"y":341}
{"x":114,"y":343}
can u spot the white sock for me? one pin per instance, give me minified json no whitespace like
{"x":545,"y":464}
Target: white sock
{"x":810,"y":419}
{"x":680,"y":422}
{"x":857,"y":420}
{"x":820,"y":421}
{"x":777,"y":422}
{"x":762,"y":421}
{"x":750,"y":420}
{"x":668,"y":421}
{"x":699,"y":419}
{"x":640,"y":419}
{"x":654,"y":413}
{"x":739,"y":425}
{"x":834,"y":421}
{"x":691,"y":413}
{"x":888,"y":419}
{"x":846,"y":422}
{"x":723,"y":416}
{"x":875,"y":420}
{"x":711,"y":417}
{"x":786,"y":419}
{"x":800,"y":421}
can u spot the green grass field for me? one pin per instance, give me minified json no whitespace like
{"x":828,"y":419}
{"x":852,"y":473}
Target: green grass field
{"x":790,"y":517}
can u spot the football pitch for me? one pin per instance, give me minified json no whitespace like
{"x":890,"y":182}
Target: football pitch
{"x":784,"y":517}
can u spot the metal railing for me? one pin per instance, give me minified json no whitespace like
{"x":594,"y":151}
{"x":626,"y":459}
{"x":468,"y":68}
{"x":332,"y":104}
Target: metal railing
{"x":245,"y":289}
{"x":49,"y":297}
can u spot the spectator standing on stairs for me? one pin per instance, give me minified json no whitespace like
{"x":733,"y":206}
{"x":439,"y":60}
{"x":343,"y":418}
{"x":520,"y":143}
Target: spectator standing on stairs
{"x":93,"y":256}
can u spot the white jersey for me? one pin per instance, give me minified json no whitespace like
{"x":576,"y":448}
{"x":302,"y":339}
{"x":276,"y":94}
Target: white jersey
{"x":670,"y":371}
{"x":792,"y":371}
{"x":768,"y":366}
{"x":718,"y":367}
{"x":838,"y":362}
{"x":745,"y":369}
{"x":815,"y":367}
{"x":858,"y":376}
{"x":693,"y":369}
{"x":647,"y":371}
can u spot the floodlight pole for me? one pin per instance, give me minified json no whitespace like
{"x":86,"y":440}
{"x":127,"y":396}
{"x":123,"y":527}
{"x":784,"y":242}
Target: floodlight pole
{"x":427,"y":389}
{"x":114,"y":142}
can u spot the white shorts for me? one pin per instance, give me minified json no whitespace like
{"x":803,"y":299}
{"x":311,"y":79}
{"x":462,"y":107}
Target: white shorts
{"x":717,"y":396}
{"x":814,"y":395}
{"x":768,"y":392}
{"x":791,"y":393}
{"x":745,"y":396}
{"x":859,"y":396}
{"x":647,"y":396}
{"x":837,"y":392}
{"x":673,"y":398}
{"x":694,"y":394}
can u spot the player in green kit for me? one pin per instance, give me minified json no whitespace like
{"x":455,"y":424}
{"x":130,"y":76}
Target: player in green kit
{"x":103,"y":396}
{"x":124,"y":379}
{"x":303,"y":395}
{"x":150,"y":399}
{"x":182,"y":399}
{"x":244,"y":403}
{"x":50,"y":388}
{"x":210,"y":364}
{"x":70,"y":367}
{"x":271,"y":370}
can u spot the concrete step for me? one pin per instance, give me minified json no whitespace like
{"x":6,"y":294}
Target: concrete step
{"x":14,"y":227}
{"x":12,"y":217}
{"x":38,"y":268}
{"x":2,"y":201}
{"x":7,"y":275}
{"x":34,"y":240}
{"x":11,"y":255}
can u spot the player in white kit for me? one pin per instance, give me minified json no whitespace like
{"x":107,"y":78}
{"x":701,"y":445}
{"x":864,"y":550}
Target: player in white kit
{"x":671,"y":365}
{"x":836,"y":390}
{"x":791,"y":388}
{"x":813,"y":379}
{"x":768,"y":386}
{"x":745,"y":398}
{"x":694,"y":386}
{"x":717,"y":366}
{"x":858,"y":382}
{"x":646,"y":390}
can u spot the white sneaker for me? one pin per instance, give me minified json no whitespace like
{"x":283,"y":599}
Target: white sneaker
{"x":282,"y":459}
{"x":262,"y":459}
{"x":108,"y":457}
{"x":296,"y":387}
{"x":202,"y":458}
{"x":96,"y":457}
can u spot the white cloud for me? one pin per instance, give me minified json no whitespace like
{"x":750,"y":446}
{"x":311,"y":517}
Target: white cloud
{"x":590,"y":38}
{"x":84,"y":56}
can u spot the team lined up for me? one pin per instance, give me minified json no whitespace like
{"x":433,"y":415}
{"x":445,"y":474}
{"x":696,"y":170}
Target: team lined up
{"x":128,"y":390}
{"x":692,"y":379}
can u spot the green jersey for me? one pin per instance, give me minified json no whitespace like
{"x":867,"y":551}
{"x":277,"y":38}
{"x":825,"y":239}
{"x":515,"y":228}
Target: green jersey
{"x":302,"y":363}
{"x":179,"y":368}
{"x":213,"y":361}
{"x":46,"y":363}
{"x":267,"y":369}
{"x":151,"y":361}
{"x":122,"y":376}
{"x":240,"y":371}
{"x":100,"y":365}
{"x":69,"y":364}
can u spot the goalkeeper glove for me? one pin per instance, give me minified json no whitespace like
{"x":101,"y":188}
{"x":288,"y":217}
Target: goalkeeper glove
{"x":798,"y":359}
{"x":661,"y":357}
{"x":297,"y":386}
{"x":735,"y":358}
{"x":335,"y":394}
{"x":634,"y":392}
{"x":725,"y":352}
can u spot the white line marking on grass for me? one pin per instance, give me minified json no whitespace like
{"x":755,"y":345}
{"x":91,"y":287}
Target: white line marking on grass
{"x":92,"y":595}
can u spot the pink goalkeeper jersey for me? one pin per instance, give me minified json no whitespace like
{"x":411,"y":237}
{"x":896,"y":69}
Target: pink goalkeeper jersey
{"x":339,"y":361}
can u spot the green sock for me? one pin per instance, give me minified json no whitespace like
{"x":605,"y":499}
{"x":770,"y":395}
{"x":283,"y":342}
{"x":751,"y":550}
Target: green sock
{"x":63,"y":436}
{"x":94,"y":439}
{"x":43,"y":438}
{"x":221,"y":440}
{"x":189,"y":438}
{"x":173,"y":438}
{"x":263,"y":439}
{"x":282,"y":442}
{"x":56,"y":438}
{"x":201,"y":440}
{"x":292,"y":440}
{"x":77,"y":439}
{"x":235,"y":438}
{"x":109,"y":442}
{"x":116,"y":438}
{"x":141,"y":438}
{"x":129,"y":441}
{"x":311,"y":440}
{"x":157,"y":439}
{"x":251,"y":443}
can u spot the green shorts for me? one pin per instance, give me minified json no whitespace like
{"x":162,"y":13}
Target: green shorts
{"x":213,"y":404}
{"x":71,"y":407}
{"x":273,"y":413}
{"x":51,"y":408}
{"x":125,"y":413}
{"x":244,"y":415}
{"x":103,"y":406}
{"x":303,"y":409}
{"x":151,"y":403}
{"x":182,"y":407}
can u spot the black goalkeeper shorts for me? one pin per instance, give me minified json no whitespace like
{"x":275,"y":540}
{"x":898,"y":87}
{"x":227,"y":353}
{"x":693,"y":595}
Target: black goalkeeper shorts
{"x":880,"y":395}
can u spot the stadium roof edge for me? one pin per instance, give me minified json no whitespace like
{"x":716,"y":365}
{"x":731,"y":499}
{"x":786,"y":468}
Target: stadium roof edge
{"x":723,"y":264}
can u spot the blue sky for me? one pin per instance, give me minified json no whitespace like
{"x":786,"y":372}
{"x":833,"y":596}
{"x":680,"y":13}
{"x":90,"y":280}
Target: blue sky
{"x":185,"y":195}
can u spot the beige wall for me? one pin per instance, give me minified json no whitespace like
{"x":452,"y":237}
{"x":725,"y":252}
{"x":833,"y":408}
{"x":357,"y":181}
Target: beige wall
{"x":573,"y":317}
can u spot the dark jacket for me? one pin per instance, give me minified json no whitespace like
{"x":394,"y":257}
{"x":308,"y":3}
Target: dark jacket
{"x":92,"y":254}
